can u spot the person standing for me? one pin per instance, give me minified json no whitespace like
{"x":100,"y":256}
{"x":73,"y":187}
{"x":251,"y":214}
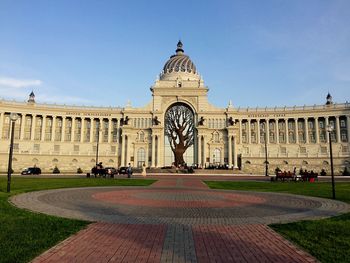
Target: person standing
{"x":129,"y":171}
{"x":144,"y":170}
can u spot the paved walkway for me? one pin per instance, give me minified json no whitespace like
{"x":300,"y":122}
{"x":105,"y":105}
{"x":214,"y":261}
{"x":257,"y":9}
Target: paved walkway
{"x":176,"y":220}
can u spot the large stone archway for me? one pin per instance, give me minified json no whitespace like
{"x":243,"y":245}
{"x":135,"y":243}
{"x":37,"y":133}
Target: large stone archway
{"x":179,"y":135}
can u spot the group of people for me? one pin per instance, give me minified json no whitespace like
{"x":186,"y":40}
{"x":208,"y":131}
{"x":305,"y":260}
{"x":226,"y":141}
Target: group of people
{"x":305,"y":175}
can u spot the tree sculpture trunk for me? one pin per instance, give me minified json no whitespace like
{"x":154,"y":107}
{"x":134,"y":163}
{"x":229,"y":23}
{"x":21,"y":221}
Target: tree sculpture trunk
{"x":179,"y":127}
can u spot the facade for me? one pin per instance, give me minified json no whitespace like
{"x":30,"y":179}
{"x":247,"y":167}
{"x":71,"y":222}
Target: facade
{"x":68,"y":136}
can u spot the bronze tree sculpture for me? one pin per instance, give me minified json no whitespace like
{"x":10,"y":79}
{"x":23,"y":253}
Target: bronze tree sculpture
{"x":179,"y":128}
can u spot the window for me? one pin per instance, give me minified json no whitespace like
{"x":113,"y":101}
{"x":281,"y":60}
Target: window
{"x":302,"y":149}
{"x":283,"y":150}
{"x":342,"y":124}
{"x":216,"y":137}
{"x":344,"y":136}
{"x":321,"y":124}
{"x":16,"y":147}
{"x":56,"y":148}
{"x":36,"y":148}
{"x":323,"y":149}
{"x":76,"y":148}
{"x":113,"y":149}
{"x":311,"y":125}
{"x":345,"y":149}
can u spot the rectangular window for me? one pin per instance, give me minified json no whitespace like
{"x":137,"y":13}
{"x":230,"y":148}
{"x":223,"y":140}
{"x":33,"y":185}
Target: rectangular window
{"x":311,"y":125}
{"x":16,"y":147}
{"x":76,"y":148}
{"x":342,"y":124}
{"x":56,"y":148}
{"x":36,"y":148}
{"x":323,"y":149}
{"x":113,"y":149}
{"x":321,"y":124}
{"x":302,"y":149}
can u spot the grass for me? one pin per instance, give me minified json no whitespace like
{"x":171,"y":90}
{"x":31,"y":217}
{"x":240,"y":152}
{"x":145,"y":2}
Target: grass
{"x":328,"y":239}
{"x":23,"y":234}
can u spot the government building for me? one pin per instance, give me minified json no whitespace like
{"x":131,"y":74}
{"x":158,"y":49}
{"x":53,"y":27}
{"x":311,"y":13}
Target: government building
{"x":178,"y":126}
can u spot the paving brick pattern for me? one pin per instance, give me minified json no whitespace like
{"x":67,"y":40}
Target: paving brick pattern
{"x":176,"y":220}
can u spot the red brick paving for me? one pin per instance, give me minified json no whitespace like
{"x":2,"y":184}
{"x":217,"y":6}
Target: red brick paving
{"x":115,"y":242}
{"x":248,"y":243}
{"x":155,"y":198}
{"x":104,"y":242}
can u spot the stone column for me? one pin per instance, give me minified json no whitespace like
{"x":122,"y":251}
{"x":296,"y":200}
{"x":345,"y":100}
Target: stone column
{"x":267,"y":131}
{"x":153,"y":150}
{"x":240,"y":131}
{"x":306,"y":130}
{"x":123,"y":151}
{"x":1,"y":123}
{"x":249,"y":132}
{"x":317,"y":131}
{"x":53,"y":130}
{"x":230,"y":151}
{"x":235,"y":153}
{"x":100,"y":131}
{"x":32,"y":131}
{"x":91,"y":129}
{"x":159,"y":144}
{"x":348,"y":127}
{"x":72,"y":136}
{"x":127,"y":158}
{"x":327,"y":123}
{"x":287,"y":130}
{"x":82,"y":130}
{"x":199,"y":150}
{"x":296,"y":131}
{"x":43,"y":128}
{"x":337,"y":125}
{"x":109,"y":140}
{"x":204,"y":150}
{"x":277,"y":133}
{"x":23,"y":124}
{"x":258,"y":131}
{"x":63,"y":132}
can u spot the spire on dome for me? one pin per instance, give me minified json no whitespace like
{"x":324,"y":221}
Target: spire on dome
{"x":179,"y":49}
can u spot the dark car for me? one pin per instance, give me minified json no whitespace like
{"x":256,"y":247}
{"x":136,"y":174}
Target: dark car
{"x":31,"y":170}
{"x":123,"y":170}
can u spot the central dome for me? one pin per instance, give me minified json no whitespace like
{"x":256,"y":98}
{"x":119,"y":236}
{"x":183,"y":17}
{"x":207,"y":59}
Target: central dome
{"x":179,"y":64}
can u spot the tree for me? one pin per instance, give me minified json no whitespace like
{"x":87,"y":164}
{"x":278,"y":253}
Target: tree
{"x":179,"y":128}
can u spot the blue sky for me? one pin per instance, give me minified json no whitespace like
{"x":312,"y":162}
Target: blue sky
{"x":256,"y":53}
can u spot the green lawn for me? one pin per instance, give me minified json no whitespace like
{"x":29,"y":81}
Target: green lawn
{"x":24,"y":235}
{"x":327,"y":239}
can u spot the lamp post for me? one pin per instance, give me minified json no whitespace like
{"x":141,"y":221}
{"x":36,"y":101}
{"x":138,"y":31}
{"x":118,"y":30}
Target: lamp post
{"x":266,"y":162}
{"x":13,"y":118}
{"x":330,"y":129}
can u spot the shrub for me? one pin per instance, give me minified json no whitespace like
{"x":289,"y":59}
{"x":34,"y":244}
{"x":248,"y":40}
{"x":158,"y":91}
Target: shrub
{"x":56,"y":170}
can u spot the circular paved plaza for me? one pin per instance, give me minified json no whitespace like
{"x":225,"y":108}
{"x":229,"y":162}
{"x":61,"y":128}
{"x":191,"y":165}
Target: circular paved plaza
{"x":163,"y":205}
{"x":176,"y":220}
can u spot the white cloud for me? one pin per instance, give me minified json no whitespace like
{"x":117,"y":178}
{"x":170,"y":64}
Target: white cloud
{"x":19,"y":83}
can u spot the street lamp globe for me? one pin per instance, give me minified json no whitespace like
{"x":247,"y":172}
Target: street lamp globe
{"x":329,"y":128}
{"x":13,"y":116}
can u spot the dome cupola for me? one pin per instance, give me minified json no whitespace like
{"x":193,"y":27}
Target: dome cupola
{"x":179,"y":65}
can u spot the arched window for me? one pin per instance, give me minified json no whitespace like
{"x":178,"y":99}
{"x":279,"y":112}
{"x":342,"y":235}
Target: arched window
{"x":217,"y":156}
{"x":141,"y":157}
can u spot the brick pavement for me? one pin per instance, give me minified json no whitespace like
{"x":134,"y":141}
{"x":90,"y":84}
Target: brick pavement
{"x":176,"y":220}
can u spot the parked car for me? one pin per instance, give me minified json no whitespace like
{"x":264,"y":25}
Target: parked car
{"x":123,"y":170}
{"x":111,"y":171}
{"x":31,"y":170}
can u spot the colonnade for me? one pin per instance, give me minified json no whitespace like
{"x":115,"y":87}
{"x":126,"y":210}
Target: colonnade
{"x":61,"y":128}
{"x":303,"y":134}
